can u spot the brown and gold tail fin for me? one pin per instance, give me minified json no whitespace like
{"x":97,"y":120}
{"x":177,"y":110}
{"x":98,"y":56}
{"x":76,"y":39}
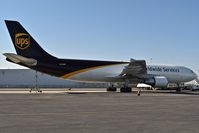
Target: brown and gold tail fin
{"x":24,"y":43}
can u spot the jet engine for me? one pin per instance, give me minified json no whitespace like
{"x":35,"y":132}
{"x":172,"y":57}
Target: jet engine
{"x":157,"y":81}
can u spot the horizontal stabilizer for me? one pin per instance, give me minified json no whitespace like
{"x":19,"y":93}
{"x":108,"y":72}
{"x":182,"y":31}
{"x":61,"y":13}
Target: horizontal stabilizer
{"x":20,"y":59}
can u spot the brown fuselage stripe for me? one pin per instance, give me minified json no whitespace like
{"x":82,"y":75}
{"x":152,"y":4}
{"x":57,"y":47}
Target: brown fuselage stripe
{"x":85,"y":70}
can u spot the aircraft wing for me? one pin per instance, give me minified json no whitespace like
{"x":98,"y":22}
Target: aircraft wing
{"x":135,"y":69}
{"x":134,"y":72}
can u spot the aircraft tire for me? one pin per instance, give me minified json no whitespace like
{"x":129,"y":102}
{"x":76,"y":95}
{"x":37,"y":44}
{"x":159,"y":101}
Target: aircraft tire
{"x":178,"y":89}
{"x":125,"y":89}
{"x":111,"y":89}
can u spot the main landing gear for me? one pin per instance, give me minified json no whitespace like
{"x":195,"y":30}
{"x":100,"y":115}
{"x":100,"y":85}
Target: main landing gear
{"x":122,"y":89}
{"x":179,"y":87}
{"x":111,"y":89}
{"x":36,"y":90}
{"x":125,"y":89}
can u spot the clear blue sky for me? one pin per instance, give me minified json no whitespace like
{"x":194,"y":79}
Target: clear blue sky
{"x":165,"y":30}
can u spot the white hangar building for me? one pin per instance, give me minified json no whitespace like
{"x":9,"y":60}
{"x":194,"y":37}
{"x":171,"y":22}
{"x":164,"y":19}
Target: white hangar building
{"x":22,"y":78}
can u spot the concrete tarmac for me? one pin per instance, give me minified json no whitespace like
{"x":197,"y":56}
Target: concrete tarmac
{"x":99,"y":112}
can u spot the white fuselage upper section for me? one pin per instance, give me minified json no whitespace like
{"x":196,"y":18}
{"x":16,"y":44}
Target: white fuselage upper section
{"x":174,"y":74}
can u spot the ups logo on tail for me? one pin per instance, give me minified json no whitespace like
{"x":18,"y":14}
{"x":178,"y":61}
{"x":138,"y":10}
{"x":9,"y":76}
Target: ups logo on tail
{"x":22,"y":40}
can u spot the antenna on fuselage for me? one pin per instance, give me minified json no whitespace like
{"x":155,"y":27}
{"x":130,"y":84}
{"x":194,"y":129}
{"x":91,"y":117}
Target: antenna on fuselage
{"x":150,"y":61}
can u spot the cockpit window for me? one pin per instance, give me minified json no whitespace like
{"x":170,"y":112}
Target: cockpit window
{"x":191,"y":71}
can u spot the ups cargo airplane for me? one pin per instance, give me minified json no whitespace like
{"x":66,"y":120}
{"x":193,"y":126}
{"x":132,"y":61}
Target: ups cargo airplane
{"x":31,"y":55}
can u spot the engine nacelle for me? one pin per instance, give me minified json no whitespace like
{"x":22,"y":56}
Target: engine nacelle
{"x":157,"y":81}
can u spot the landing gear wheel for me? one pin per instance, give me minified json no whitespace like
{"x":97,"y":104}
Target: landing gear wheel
{"x":178,"y":89}
{"x":125,"y":89}
{"x":111,"y":89}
